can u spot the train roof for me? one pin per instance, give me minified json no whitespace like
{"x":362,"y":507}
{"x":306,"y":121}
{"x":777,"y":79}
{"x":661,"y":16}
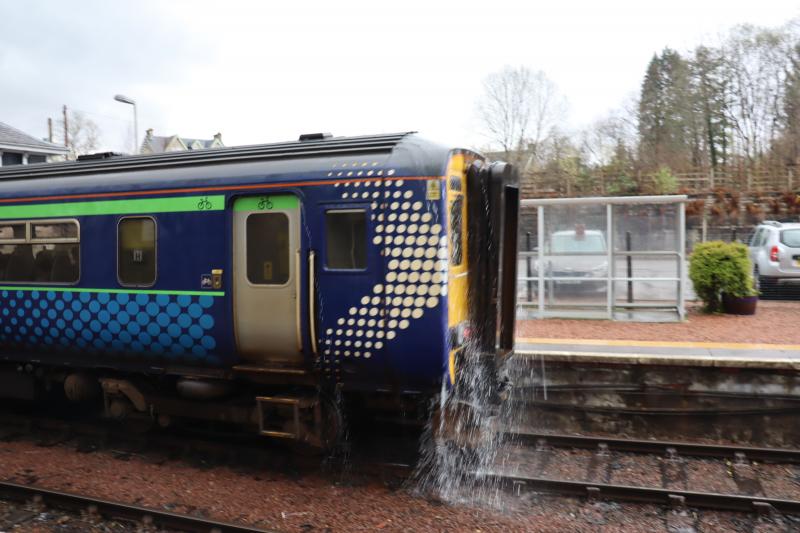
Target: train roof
{"x":405,"y":150}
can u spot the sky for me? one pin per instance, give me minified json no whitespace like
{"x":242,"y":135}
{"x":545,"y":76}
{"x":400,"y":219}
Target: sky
{"x":261,"y":71}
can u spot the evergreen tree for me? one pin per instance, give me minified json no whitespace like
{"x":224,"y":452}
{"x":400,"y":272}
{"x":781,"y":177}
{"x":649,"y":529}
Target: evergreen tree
{"x":710,"y":94}
{"x":666,"y":119}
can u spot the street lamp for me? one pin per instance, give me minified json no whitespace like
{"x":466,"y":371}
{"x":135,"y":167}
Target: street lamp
{"x":131,"y":101}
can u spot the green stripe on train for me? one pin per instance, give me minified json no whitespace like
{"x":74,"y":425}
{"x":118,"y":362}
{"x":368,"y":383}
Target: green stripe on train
{"x":180,"y":204}
{"x":48,"y":288}
{"x":266,"y":202}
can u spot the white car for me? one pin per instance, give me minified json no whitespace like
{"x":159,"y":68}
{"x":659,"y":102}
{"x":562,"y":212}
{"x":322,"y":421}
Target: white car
{"x":579,"y":254}
{"x":775,"y":253}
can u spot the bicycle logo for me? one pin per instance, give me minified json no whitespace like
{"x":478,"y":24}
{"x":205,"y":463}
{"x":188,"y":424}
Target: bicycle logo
{"x":204,"y":204}
{"x":265,"y":203}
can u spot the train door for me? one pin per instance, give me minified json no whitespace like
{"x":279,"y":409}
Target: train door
{"x":350,"y":284}
{"x":266,"y":279}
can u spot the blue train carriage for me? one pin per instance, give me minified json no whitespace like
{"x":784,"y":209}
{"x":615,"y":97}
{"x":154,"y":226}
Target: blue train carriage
{"x":253,"y":285}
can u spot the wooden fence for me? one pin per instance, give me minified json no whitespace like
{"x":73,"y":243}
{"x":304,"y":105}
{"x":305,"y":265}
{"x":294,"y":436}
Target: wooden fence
{"x":539,"y":184}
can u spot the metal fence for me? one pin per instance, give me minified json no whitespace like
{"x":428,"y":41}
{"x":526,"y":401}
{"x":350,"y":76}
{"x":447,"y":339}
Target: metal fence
{"x":621,"y":258}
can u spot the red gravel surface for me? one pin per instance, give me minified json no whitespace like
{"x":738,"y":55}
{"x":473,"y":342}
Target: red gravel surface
{"x":773,"y":323}
{"x":307,"y":503}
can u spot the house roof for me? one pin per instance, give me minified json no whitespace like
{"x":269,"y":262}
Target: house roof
{"x":12,"y":138}
{"x":158,"y":143}
{"x":205,"y":142}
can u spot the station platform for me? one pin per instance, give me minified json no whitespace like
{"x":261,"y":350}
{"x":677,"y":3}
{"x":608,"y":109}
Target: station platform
{"x":661,"y":353}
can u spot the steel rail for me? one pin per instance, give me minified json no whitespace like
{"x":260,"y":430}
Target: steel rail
{"x":658,"y":496}
{"x":122,"y":511}
{"x":718,"y":451}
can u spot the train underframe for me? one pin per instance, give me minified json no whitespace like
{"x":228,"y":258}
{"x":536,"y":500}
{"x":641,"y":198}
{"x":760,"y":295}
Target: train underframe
{"x":291,"y":407}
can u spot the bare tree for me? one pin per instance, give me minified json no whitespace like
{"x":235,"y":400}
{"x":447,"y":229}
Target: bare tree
{"x":757,"y":65}
{"x":519,"y":109}
{"x":83,"y":134}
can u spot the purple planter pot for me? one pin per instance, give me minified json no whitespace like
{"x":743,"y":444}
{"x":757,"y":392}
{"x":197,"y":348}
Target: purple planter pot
{"x":735,"y":305}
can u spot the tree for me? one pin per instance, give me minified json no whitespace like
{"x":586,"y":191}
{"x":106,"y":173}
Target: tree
{"x":791,"y":111}
{"x":519,"y":109}
{"x":756,"y":63}
{"x":667,"y":130}
{"x":83,"y":134}
{"x":710,"y":98}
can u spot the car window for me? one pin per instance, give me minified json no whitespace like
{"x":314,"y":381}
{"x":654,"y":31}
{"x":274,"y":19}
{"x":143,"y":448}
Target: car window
{"x":756,"y":237}
{"x":588,"y":243}
{"x":762,"y":237}
{"x":791,"y":238}
{"x":765,"y":237}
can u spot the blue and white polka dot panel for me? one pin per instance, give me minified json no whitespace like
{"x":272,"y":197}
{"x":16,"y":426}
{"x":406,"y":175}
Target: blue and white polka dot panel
{"x":173,"y":327}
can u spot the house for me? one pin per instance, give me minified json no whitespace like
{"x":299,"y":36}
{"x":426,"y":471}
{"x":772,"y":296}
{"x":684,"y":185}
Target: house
{"x":155,"y":144}
{"x":19,"y":148}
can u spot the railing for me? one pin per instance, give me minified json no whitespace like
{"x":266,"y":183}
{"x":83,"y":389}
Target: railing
{"x":696,"y":181}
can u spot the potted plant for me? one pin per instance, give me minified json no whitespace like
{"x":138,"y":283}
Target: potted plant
{"x":722,"y":277}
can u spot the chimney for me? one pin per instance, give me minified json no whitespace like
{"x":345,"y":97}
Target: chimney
{"x":218,"y":137}
{"x":149,"y":133}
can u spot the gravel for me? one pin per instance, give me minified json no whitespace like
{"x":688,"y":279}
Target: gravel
{"x":773,"y":323}
{"x":317,"y":503}
{"x":262,"y":498}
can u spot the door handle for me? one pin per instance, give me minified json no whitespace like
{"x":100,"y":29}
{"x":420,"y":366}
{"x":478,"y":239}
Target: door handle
{"x":312,"y":300}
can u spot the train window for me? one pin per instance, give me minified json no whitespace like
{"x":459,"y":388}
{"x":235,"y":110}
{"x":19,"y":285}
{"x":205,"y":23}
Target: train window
{"x":30,"y":253}
{"x":53,"y":231}
{"x":456,"y":230}
{"x":267,"y":248}
{"x":12,"y":232}
{"x":136,"y":251}
{"x":347,"y":239}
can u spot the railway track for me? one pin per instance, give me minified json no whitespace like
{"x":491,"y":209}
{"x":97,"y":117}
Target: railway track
{"x":669,"y":448}
{"x":658,"y":496}
{"x":215,"y":450}
{"x":111,"y":510}
{"x":671,"y":452}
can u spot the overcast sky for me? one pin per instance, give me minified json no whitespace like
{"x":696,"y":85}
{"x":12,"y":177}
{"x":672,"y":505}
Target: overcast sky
{"x":267,"y":71}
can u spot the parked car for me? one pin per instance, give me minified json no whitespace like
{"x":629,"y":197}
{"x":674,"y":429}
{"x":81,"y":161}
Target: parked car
{"x":775,"y":253}
{"x":579,"y":254}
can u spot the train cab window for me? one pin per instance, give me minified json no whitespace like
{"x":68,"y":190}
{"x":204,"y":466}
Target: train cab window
{"x":346,"y":231}
{"x":267,"y":248}
{"x":45,"y":251}
{"x":136,"y":251}
{"x":457,"y":230}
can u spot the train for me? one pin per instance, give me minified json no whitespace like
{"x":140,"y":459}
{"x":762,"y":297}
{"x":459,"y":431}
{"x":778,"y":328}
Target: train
{"x":262,"y":286}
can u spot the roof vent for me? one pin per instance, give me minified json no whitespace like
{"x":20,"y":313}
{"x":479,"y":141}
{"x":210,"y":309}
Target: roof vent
{"x":98,"y":156}
{"x":314,"y":136}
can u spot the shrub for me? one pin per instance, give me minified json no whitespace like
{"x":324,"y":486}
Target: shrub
{"x":717,"y":267}
{"x":664,"y":182}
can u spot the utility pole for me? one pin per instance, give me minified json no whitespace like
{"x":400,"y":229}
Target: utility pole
{"x":66,"y":127}
{"x":50,"y":129}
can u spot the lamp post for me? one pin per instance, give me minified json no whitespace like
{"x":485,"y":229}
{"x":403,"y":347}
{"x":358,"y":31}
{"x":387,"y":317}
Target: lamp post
{"x":131,"y":101}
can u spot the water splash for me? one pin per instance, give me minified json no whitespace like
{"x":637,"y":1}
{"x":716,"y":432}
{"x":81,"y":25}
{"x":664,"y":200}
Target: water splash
{"x":464,"y":441}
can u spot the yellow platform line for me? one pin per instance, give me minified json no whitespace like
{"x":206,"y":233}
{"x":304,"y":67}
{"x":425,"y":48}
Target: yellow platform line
{"x":659,"y":344}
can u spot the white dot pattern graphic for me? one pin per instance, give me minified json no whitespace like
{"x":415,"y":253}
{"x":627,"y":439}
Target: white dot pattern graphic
{"x":415,"y":250}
